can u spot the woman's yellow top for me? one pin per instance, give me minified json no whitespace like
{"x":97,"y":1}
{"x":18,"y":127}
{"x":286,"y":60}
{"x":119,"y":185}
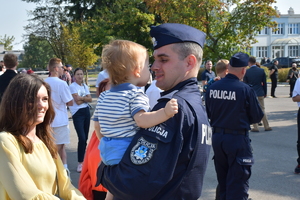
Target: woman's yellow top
{"x":32,"y":176}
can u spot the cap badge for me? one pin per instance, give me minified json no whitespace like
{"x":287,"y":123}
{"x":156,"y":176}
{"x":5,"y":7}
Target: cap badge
{"x":154,"y":41}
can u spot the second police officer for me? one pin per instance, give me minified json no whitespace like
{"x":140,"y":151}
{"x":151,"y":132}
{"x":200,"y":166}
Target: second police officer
{"x":232,"y":106}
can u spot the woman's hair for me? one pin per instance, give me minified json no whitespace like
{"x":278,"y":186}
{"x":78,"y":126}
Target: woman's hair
{"x":102,"y":85}
{"x":19,"y":111}
{"x":120,"y":57}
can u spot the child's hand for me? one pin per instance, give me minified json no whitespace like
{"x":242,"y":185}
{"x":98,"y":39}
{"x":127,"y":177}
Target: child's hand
{"x":171,"y":108}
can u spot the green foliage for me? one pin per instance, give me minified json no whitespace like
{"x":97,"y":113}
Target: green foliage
{"x":78,"y":52}
{"x":227,"y":31}
{"x":201,"y":70}
{"x":282,"y":74}
{"x":119,"y":19}
{"x":267,"y":71}
{"x":37,"y":53}
{"x":46,"y":24}
{"x":7,"y":41}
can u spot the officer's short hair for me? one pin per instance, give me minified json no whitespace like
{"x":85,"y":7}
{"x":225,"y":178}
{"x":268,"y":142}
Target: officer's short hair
{"x":120,"y":57}
{"x":221,"y":66}
{"x":187,"y":48}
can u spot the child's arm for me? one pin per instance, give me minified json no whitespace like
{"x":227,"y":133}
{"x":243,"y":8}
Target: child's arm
{"x":148,"y":119}
{"x":97,"y":129}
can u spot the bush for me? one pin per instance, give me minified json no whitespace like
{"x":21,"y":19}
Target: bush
{"x":199,"y":74}
{"x":282,"y":74}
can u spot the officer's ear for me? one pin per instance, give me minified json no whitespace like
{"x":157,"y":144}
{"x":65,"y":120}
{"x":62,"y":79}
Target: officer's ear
{"x":244,"y":70}
{"x":191,"y":61}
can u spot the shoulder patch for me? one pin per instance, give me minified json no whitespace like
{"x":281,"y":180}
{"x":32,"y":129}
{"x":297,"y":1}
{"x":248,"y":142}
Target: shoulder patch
{"x":142,"y":152}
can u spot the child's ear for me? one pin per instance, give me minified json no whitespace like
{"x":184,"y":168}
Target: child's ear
{"x":137,"y":72}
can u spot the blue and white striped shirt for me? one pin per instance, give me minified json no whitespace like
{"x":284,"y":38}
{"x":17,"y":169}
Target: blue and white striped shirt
{"x":116,"y":107}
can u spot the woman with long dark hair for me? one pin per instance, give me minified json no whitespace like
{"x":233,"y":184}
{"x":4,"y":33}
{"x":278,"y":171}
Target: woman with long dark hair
{"x":80,"y":113}
{"x":30,"y":165}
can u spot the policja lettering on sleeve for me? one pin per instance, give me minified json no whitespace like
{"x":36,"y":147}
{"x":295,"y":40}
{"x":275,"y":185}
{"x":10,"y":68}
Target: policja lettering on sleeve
{"x":158,"y":130}
{"x":222,"y":94}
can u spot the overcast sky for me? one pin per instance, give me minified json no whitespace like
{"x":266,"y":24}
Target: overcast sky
{"x":14,"y":17}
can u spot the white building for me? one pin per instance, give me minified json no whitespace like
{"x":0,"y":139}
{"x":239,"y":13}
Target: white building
{"x":19,"y":53}
{"x":284,"y":42}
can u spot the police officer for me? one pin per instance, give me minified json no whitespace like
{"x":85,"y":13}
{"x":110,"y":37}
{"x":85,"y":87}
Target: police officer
{"x":231,"y":107}
{"x":168,"y":161}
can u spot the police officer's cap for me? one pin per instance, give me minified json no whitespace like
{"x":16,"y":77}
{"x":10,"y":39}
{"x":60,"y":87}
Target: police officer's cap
{"x":170,"y":33}
{"x":239,"y":60}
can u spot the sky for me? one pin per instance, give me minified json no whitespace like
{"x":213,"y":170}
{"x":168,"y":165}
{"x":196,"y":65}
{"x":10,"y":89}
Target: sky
{"x":14,"y":17}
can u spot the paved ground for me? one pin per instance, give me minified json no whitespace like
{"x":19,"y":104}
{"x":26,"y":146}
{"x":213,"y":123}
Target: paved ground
{"x":274,"y":151}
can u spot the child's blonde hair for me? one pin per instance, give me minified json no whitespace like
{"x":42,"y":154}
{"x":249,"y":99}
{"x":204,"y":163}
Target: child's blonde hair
{"x":120,"y":57}
{"x":221,"y":66}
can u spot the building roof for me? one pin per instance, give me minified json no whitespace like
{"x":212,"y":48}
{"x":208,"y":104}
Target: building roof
{"x":286,"y":41}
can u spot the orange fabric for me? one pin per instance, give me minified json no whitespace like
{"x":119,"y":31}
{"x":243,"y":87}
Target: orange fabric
{"x":88,"y":176}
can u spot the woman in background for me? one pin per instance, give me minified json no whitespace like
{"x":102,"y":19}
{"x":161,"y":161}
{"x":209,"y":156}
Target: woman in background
{"x":80,"y":113}
{"x":30,"y":165}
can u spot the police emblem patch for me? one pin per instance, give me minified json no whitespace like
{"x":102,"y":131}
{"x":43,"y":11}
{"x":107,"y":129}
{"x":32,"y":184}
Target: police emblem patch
{"x":142,"y":152}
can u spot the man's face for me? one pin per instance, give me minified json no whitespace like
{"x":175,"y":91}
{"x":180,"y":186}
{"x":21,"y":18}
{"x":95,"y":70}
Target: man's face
{"x":276,"y":62}
{"x":208,"y":65}
{"x":60,"y":69}
{"x":169,"y":69}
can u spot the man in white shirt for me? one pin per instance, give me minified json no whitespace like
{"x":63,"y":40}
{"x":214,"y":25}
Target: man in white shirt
{"x":153,"y":93}
{"x":61,"y":98}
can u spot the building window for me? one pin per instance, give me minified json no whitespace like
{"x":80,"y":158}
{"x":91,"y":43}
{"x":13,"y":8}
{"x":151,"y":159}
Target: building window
{"x":264,"y":31}
{"x":277,"y":51}
{"x":278,"y":30}
{"x":293,"y":51}
{"x":293,"y":29}
{"x":261,"y":52}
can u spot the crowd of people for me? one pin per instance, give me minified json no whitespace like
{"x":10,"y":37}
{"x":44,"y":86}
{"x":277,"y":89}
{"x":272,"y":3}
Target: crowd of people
{"x":142,"y":147}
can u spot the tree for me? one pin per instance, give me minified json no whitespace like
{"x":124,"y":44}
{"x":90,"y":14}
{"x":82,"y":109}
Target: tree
{"x":227,"y":30}
{"x":38,"y":52}
{"x":104,"y":20}
{"x":119,"y":19}
{"x":78,"y":52}
{"x":7,"y":41}
{"x":46,"y":24}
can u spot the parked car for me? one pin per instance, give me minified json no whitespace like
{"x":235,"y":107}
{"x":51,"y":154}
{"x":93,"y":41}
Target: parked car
{"x":284,"y":62}
{"x":20,"y":69}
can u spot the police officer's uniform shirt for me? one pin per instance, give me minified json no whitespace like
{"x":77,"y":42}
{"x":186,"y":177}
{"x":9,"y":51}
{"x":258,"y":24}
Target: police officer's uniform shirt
{"x":166,"y":161}
{"x":232,"y":104}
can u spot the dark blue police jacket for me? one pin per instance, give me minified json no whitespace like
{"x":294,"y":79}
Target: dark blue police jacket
{"x":167,"y":161}
{"x":232,"y":104}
